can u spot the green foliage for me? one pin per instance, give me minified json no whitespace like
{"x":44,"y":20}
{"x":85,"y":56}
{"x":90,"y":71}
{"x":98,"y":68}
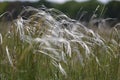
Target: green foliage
{"x":73,"y":9}
{"x":3,"y":7}
{"x":113,"y":9}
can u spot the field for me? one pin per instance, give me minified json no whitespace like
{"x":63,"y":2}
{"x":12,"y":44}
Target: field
{"x":45,"y":44}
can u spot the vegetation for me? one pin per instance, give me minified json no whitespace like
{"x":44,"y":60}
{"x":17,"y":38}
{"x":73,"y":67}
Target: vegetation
{"x":71,"y":8}
{"x":45,"y":44}
{"x":3,"y":7}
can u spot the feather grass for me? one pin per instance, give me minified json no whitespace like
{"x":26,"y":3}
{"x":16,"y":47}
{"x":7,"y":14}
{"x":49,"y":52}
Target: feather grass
{"x":46,"y":44}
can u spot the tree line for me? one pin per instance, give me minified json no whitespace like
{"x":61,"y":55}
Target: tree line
{"x":73,"y":9}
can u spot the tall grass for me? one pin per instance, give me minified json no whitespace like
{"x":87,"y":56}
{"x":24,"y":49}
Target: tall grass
{"x":45,"y":44}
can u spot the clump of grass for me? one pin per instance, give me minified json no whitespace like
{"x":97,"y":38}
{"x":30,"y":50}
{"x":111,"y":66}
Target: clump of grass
{"x":46,"y":44}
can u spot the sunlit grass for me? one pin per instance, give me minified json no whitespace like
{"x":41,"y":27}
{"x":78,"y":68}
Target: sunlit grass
{"x":45,"y":44}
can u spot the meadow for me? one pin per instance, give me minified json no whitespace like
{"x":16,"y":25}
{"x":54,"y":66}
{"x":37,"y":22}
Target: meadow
{"x":45,"y":44}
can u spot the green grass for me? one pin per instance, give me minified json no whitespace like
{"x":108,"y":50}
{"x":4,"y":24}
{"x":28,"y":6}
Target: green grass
{"x":50,"y":46}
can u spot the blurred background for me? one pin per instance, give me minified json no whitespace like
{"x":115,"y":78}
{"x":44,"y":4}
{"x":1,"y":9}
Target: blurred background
{"x":76,"y":9}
